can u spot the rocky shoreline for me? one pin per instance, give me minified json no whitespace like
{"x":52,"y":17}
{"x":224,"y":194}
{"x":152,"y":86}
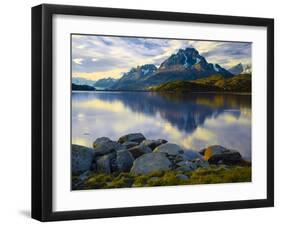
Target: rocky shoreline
{"x":134,"y":161}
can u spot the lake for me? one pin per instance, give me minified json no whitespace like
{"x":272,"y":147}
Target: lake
{"x":192,"y":120}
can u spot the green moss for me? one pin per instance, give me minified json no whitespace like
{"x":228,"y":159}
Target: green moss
{"x":211,"y":175}
{"x":120,"y":183}
{"x":169,"y":178}
{"x":140,"y":181}
{"x":221,"y":175}
{"x":98,"y":181}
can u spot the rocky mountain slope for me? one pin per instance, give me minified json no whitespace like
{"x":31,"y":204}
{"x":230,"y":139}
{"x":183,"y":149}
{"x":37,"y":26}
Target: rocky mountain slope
{"x":186,"y":64}
{"x":105,"y":83}
{"x":185,"y":70}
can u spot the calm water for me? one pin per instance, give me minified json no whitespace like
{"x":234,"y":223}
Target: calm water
{"x":191,"y":120}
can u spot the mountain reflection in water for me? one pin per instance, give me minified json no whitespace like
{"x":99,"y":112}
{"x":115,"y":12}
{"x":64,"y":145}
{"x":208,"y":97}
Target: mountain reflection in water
{"x":192,"y":120}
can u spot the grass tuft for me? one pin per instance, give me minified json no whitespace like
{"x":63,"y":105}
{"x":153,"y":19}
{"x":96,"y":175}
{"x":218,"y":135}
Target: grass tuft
{"x":211,"y":175}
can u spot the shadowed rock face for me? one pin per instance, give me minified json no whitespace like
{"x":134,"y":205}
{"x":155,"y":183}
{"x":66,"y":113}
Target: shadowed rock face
{"x":230,"y":158}
{"x":132,"y":137}
{"x":81,"y":159}
{"x":104,"y":163}
{"x":124,"y":160}
{"x":152,"y":144}
{"x":217,"y":154}
{"x":151,"y":162}
{"x":139,"y":150}
{"x":104,"y":145}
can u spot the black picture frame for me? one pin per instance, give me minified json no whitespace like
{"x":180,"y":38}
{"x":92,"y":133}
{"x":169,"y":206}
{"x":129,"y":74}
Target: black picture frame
{"x":42,"y":107}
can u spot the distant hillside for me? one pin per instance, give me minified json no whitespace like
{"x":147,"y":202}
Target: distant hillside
{"x":82,"y":87}
{"x":82,"y":81}
{"x":185,"y":86}
{"x":240,"y":69}
{"x":135,"y":78}
{"x":105,"y":83}
{"x":239,"y":83}
{"x":237,"y":69}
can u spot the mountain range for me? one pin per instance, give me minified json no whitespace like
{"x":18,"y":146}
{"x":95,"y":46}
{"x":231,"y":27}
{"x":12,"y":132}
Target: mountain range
{"x":240,"y":69}
{"x":105,"y":83}
{"x":184,"y":65}
{"x":83,"y":81}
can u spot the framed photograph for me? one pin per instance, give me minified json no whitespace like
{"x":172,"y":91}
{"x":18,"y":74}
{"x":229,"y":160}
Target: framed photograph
{"x":145,"y":112}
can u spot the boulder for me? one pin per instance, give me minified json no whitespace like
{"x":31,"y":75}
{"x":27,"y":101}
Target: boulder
{"x":191,"y":155}
{"x":169,"y":149}
{"x":153,"y":143}
{"x":134,"y":137}
{"x":151,"y":162}
{"x":104,"y":163}
{"x":139,"y":150}
{"x":129,"y":144}
{"x":124,"y":160}
{"x":186,"y":166}
{"x":104,"y":145}
{"x":228,"y":158}
{"x":201,"y":163}
{"x":212,"y":150}
{"x":81,"y":159}
{"x":217,"y":154}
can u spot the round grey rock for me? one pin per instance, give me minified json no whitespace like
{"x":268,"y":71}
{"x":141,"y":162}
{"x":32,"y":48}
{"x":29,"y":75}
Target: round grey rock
{"x":151,"y":162}
{"x":170,"y":149}
{"x":134,"y":137}
{"x":81,"y":159}
{"x":124,"y":160}
{"x":186,"y":166}
{"x":104,"y":145}
{"x":215,"y":149}
{"x":191,"y":155}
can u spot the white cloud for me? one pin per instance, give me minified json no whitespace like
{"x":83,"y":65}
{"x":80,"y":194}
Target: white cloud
{"x":78,"y":60}
{"x":104,"y":54}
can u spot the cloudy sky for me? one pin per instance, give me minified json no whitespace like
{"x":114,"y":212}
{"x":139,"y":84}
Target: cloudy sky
{"x":96,"y":57}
